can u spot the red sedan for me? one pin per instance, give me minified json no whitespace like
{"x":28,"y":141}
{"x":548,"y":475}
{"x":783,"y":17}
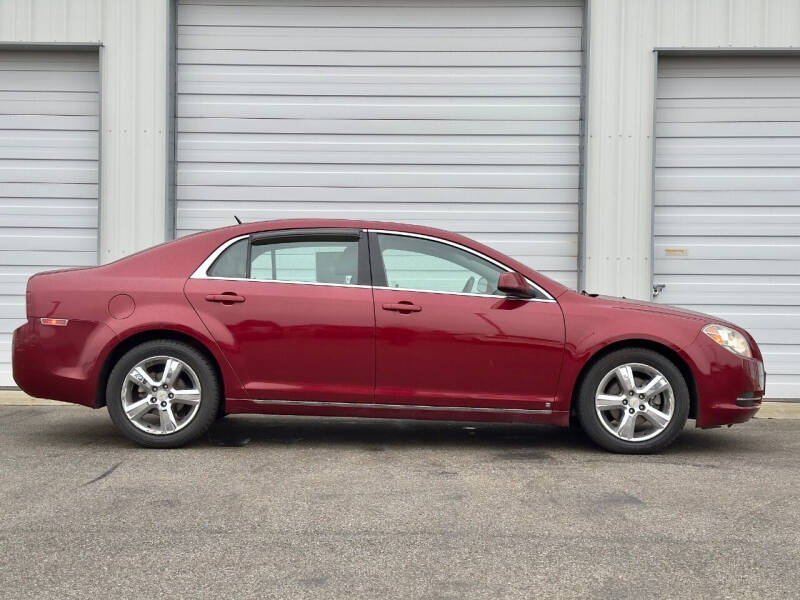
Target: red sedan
{"x":363,"y":319}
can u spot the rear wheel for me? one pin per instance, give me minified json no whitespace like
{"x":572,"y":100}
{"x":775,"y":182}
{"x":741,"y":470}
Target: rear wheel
{"x":163,"y":394}
{"x":634,"y":401}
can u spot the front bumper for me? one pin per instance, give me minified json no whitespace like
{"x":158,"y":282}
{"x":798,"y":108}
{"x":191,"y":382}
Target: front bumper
{"x":729,"y":387}
{"x":60,"y":363}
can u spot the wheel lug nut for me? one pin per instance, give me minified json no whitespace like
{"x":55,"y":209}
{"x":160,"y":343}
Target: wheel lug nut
{"x":641,"y":407}
{"x":625,"y":402}
{"x":152,"y":400}
{"x":164,"y":404}
{"x":641,"y":396}
{"x":630,"y":393}
{"x":171,"y":396}
{"x":630,"y":410}
{"x":155,"y":389}
{"x":165,"y":386}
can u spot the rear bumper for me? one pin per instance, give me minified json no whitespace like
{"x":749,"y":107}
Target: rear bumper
{"x":59,"y":363}
{"x":729,"y":387}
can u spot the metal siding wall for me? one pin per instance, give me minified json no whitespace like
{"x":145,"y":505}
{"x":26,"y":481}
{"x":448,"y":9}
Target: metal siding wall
{"x":727,"y":199}
{"x":619,"y":161}
{"x":134,"y":103}
{"x":462,"y":115}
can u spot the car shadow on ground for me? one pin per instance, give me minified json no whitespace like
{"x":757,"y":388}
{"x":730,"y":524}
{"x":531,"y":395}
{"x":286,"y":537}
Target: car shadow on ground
{"x":384,"y":434}
{"x":81,"y":429}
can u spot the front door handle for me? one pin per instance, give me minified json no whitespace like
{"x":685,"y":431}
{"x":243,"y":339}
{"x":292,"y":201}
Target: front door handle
{"x":403,"y":306}
{"x":226,"y":298}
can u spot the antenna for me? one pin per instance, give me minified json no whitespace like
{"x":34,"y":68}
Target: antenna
{"x":238,"y":220}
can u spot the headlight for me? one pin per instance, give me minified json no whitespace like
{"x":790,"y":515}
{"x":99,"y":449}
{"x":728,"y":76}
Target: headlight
{"x":729,"y":339}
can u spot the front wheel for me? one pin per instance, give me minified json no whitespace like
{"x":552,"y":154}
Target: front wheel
{"x":163,"y":394}
{"x":634,"y":401}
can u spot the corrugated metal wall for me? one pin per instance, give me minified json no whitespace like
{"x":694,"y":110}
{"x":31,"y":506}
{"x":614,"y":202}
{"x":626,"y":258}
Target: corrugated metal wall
{"x":133,"y":65}
{"x":619,"y":161}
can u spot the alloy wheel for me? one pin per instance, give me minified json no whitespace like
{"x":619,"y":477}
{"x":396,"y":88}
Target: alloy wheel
{"x":161,"y":395}
{"x":634,"y":402}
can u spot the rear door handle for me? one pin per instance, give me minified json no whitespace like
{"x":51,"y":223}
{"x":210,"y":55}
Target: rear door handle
{"x":226,"y":298}
{"x":402,"y":306}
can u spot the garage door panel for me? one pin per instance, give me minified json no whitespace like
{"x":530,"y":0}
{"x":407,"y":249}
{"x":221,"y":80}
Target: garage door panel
{"x":49,"y":120}
{"x":771,"y":129}
{"x":60,"y":103}
{"x":726,"y":266}
{"x":41,"y":171}
{"x":729,"y":152}
{"x":378,"y":175}
{"x":381,"y":16}
{"x":417,"y":58}
{"x":318,"y":195}
{"x":394,"y":39}
{"x":731,"y":248}
{"x":708,"y":178}
{"x":545,"y":86}
{"x":725,"y":197}
{"x":378,"y":126}
{"x":252,"y":109}
{"x":725,"y":87}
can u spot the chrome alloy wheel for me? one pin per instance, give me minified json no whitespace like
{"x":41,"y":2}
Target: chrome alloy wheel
{"x":634,"y":402}
{"x":161,"y":395}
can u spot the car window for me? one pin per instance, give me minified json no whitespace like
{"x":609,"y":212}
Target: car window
{"x":307,"y":261}
{"x":421,"y":264}
{"x":232,"y":263}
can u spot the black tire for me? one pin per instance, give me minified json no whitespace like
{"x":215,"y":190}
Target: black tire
{"x":590,"y":421}
{"x":210,"y":397}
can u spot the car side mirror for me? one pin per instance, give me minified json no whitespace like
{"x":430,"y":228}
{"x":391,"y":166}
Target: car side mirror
{"x":513,"y":284}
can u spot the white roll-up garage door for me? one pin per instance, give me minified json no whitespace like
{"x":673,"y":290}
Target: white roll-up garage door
{"x":49,"y":107}
{"x":456,"y":114}
{"x":727,"y":201}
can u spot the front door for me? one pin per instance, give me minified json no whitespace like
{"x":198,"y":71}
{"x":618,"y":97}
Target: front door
{"x":292,"y":311}
{"x":447,"y":337}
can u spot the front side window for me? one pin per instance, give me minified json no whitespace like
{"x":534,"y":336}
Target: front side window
{"x":421,"y":264}
{"x":299,"y":260}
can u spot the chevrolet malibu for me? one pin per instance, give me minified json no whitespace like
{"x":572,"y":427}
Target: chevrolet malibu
{"x":364,"y":319}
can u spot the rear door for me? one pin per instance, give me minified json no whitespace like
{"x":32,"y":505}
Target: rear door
{"x":292,"y":311}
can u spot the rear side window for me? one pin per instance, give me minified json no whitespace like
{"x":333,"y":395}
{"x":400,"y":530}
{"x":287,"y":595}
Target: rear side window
{"x":232,"y":263}
{"x":306,"y":261}
{"x":312,"y":260}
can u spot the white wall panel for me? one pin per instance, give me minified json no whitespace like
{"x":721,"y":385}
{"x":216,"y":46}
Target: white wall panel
{"x":462,"y":115}
{"x":619,"y":155}
{"x":48,"y":174}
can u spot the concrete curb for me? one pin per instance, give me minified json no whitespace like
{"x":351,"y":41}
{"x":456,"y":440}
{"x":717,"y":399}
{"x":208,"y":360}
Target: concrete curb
{"x":769,"y":410}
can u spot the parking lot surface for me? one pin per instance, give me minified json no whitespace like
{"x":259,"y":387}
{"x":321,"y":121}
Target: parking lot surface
{"x":279,"y":507}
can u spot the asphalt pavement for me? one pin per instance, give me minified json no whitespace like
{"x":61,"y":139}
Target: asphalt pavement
{"x":280,"y":507}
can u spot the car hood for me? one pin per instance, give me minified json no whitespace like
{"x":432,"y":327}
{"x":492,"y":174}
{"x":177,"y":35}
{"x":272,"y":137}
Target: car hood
{"x":663,"y":309}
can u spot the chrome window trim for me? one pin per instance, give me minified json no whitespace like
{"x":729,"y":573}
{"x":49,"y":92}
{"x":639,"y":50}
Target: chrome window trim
{"x":201,"y":271}
{"x":428,"y":407}
{"x":547,"y":296}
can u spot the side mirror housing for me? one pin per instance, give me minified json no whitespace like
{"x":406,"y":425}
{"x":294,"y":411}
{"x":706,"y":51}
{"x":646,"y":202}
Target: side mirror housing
{"x":513,"y":284}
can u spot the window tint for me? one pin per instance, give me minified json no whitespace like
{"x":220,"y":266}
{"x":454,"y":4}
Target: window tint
{"x":232,"y":262}
{"x":311,"y":261}
{"x":420,"y":264}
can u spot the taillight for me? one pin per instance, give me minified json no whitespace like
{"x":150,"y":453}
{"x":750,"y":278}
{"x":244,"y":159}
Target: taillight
{"x":54,"y":322}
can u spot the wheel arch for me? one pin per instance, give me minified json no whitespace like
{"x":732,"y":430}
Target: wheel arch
{"x":662,"y":349}
{"x":148,"y":335}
